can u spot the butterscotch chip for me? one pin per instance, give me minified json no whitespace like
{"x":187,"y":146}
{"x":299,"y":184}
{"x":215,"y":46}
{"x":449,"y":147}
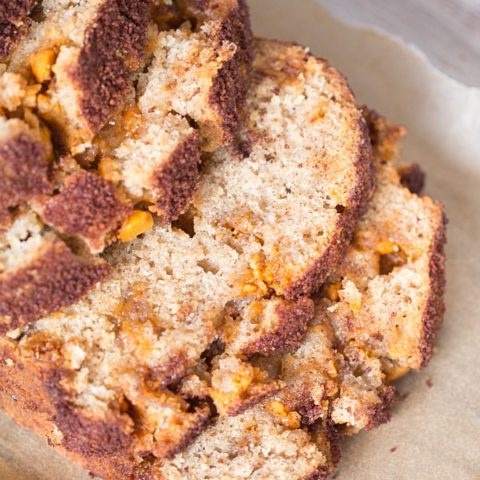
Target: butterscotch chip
{"x":41,"y":64}
{"x":137,"y":223}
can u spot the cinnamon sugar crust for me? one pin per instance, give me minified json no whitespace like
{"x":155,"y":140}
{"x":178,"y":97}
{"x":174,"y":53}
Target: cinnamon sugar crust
{"x":113,"y":47}
{"x":175,"y":181}
{"x":435,"y":308}
{"x":13,"y":23}
{"x":87,"y":207}
{"x":54,"y":279}
{"x":24,"y":171}
{"x":288,"y":333}
{"x":229,"y":88}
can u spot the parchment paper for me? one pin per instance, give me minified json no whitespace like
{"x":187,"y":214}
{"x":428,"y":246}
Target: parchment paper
{"x":435,"y":430}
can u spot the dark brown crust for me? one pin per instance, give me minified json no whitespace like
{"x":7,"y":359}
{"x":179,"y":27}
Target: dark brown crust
{"x":176,"y":181}
{"x":288,"y":333}
{"x":346,"y":223}
{"x":113,"y":48}
{"x":435,"y":308}
{"x":328,"y":437}
{"x":13,"y":23}
{"x":381,"y":413}
{"x":229,"y":89}
{"x":24,"y":171}
{"x":412,"y":177}
{"x":31,"y":394}
{"x":54,"y":279}
{"x":334,"y":437}
{"x":88,"y":207}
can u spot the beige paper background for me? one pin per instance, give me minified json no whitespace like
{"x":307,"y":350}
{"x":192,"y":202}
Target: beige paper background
{"x":436,"y":430}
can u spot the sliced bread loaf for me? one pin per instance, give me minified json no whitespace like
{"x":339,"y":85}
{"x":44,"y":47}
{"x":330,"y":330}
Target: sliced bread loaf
{"x":120,"y":357}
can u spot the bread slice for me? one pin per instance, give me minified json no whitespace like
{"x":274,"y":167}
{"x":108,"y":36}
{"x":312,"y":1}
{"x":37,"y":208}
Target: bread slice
{"x":390,"y":295}
{"x":117,"y":361}
{"x":332,"y":384}
{"x":305,"y":171}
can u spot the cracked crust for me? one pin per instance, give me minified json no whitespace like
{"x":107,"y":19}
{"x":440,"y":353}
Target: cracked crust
{"x":55,"y":278}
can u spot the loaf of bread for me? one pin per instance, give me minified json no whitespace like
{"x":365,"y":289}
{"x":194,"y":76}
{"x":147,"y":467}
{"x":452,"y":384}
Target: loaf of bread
{"x":189,"y":289}
{"x":127,"y":376}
